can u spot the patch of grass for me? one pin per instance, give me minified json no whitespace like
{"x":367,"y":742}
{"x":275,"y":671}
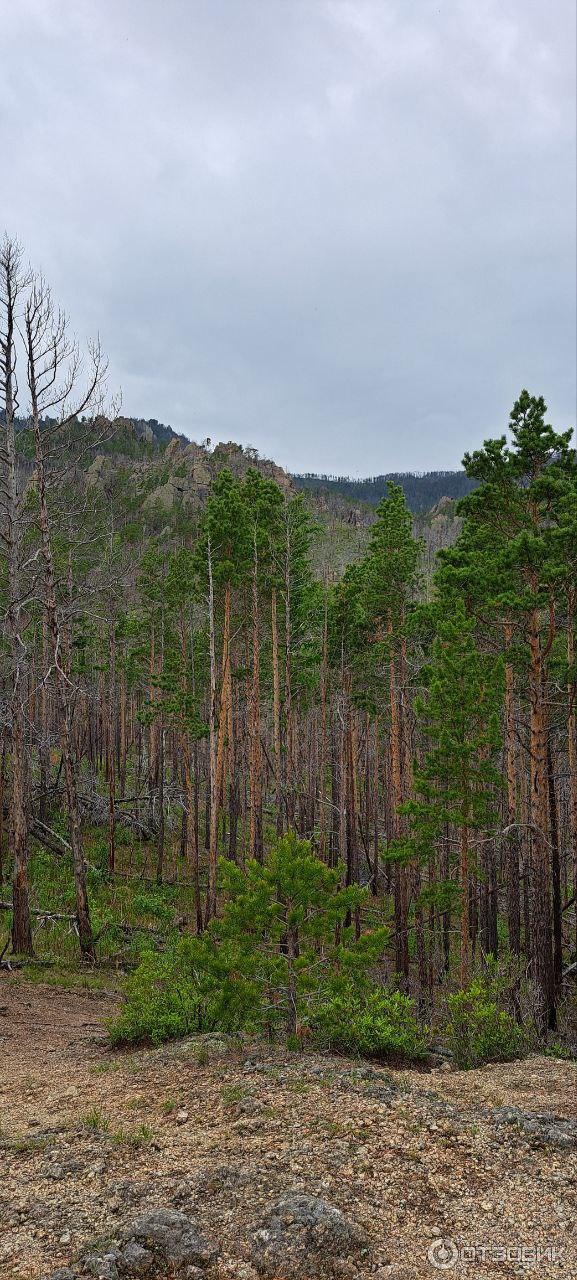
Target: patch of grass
{"x":232,"y":1093}
{"x":96,"y":1121}
{"x":168,"y":1106}
{"x":331,"y":1127}
{"x":31,"y":1084}
{"x":72,"y":978}
{"x":23,"y":1145}
{"x":139,"y":1137}
{"x":101,"y":1068}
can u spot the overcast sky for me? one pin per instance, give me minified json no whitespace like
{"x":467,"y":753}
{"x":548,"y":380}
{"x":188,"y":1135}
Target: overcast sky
{"x":342,"y":231}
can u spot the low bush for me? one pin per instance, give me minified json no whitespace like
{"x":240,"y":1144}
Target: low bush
{"x":281,"y":942}
{"x":372,"y":1022}
{"x":478,"y":1031}
{"x":185,"y":990}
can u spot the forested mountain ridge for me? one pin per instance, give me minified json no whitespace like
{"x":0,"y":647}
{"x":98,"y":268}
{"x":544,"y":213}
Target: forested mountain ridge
{"x":422,"y":490}
{"x":154,"y":480}
{"x":146,"y":440}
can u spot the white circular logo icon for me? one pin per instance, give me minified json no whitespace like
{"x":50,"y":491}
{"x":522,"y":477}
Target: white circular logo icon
{"x":443,"y":1254}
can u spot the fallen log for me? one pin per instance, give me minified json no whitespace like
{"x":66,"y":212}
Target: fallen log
{"x":46,"y":913}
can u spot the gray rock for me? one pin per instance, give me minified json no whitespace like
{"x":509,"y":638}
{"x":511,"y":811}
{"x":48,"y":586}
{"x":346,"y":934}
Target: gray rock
{"x":103,"y":1266}
{"x":304,"y":1238}
{"x":171,"y":1237}
{"x":380,"y":1093}
{"x":542,"y":1128}
{"x":440,"y":1050}
{"x":134,"y":1260}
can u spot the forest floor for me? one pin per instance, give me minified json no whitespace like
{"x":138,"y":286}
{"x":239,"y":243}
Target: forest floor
{"x":91,"y":1136}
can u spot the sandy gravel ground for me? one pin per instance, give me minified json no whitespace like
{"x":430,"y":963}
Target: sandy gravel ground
{"x":89,"y":1137}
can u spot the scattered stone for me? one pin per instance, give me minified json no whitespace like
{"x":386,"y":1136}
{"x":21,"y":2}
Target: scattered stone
{"x":181,"y":1117}
{"x":136,"y":1260}
{"x":238,"y":1270}
{"x":101,"y":1266}
{"x":543,"y":1129}
{"x":156,"y":1241}
{"x":248,"y":1124}
{"x":304,"y":1238}
{"x":216,"y":1179}
{"x":171,"y":1237}
{"x":380,"y":1093}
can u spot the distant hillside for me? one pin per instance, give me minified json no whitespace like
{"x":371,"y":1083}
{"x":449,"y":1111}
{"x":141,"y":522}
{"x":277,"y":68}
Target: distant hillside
{"x":423,"y":490}
{"x":147,"y":431}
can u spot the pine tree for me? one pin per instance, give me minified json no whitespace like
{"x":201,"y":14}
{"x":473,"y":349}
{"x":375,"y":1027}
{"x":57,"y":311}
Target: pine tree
{"x":263,"y":501}
{"x":522,"y":499}
{"x":390,"y":577}
{"x":222,"y":560}
{"x":458,"y":781}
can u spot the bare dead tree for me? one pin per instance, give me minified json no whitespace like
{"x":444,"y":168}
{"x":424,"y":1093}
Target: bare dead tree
{"x":14,"y":280}
{"x":57,"y":383}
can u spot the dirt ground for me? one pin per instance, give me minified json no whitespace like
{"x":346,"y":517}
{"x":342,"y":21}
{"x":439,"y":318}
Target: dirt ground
{"x":91,"y":1136}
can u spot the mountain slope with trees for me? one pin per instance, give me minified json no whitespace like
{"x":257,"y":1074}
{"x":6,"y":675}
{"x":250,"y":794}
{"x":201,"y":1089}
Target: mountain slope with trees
{"x":422,"y":490}
{"x":290,"y":786}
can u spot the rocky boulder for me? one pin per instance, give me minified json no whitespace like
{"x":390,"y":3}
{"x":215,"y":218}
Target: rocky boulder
{"x":542,"y":1129}
{"x":302,"y":1237}
{"x":158,"y":1241}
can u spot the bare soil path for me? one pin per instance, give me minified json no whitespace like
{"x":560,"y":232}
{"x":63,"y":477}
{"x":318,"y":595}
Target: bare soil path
{"x":91,"y":1136}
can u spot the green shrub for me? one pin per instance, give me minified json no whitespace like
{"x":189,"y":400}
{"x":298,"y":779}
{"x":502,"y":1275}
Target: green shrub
{"x":264,"y":963}
{"x":180,"y":992}
{"x":477,"y":1031}
{"x":373,"y":1023}
{"x":154,"y":903}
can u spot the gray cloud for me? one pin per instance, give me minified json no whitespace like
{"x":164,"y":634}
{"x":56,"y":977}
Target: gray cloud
{"x":340,"y":230}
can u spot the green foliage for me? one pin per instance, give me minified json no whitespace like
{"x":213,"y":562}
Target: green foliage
{"x":477,"y":1031}
{"x":458,"y":781}
{"x":559,"y":1050}
{"x":370,"y":1022}
{"x":393,"y":559}
{"x":281,"y":940}
{"x":187,"y":989}
{"x":225,"y":533}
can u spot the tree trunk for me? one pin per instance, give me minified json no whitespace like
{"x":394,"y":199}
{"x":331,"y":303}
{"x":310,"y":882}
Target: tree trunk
{"x":572,"y":738}
{"x":276,"y":713}
{"x":64,"y":688}
{"x":255,"y":778}
{"x":512,"y":847}
{"x":465,"y":908}
{"x":13,"y":533}
{"x":541,"y":937}
{"x":400,"y":874}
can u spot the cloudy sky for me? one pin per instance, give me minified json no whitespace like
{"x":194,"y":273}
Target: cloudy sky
{"x":342,"y":231}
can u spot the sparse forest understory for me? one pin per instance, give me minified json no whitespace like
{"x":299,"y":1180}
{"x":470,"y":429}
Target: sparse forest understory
{"x":336,"y":807}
